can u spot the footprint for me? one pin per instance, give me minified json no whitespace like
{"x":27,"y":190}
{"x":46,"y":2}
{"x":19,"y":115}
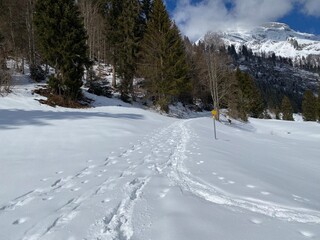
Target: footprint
{"x":200,"y":162}
{"x":106,"y":200}
{"x":56,"y":182}
{"x":20,"y":221}
{"x":306,"y":234}
{"x":85,"y":181}
{"x":164,"y":192}
{"x":214,"y":173}
{"x":265,"y":193}
{"x":67,"y":186}
{"x":99,"y":175}
{"x":47,"y":198}
{"x":231,"y":182}
{"x":300,"y":199}
{"x":59,"y":172}
{"x":255,"y":221}
{"x":75,"y":189}
{"x":44,"y":179}
{"x":221,"y":178}
{"x":92,"y":166}
{"x":250,"y":186}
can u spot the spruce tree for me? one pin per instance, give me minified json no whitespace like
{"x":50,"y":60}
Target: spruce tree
{"x":128,"y":25}
{"x":62,"y":41}
{"x":309,"y":108}
{"x":236,"y":107}
{"x":113,"y":10}
{"x":163,"y":64}
{"x":146,"y":7}
{"x":287,"y":110}
{"x":251,"y":97}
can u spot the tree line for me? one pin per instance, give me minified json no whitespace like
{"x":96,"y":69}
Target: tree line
{"x":138,"y":39}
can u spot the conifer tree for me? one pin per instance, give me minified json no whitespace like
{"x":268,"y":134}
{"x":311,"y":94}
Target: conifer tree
{"x":146,"y":6}
{"x":62,"y":41}
{"x":309,"y":108}
{"x":113,"y":10}
{"x":128,"y":46}
{"x":251,"y":97}
{"x":235,"y":100}
{"x":287,"y":110}
{"x":163,"y":65}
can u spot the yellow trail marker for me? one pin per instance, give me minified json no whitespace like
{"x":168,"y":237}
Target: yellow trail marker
{"x":214,"y":113}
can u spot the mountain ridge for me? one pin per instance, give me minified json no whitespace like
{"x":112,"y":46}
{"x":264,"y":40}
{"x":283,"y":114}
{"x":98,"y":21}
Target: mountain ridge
{"x":274,"y":37}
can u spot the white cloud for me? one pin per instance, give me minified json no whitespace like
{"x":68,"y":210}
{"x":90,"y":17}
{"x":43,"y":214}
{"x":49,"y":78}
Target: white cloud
{"x":312,"y":7}
{"x":261,"y":10}
{"x":195,"y":20}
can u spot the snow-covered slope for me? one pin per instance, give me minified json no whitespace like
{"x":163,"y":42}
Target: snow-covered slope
{"x":275,"y":37}
{"x":118,"y":173}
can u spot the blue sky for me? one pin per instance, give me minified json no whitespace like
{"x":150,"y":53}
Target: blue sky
{"x":302,"y":22}
{"x":196,"y":17}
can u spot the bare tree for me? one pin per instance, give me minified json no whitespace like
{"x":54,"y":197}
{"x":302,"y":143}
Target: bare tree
{"x":5,"y":78}
{"x":94,"y":23}
{"x":218,"y":73}
{"x":30,"y":32}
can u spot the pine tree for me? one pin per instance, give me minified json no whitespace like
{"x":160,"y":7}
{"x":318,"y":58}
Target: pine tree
{"x":309,"y":109}
{"x":113,"y":10}
{"x":251,"y":97}
{"x":128,"y":46}
{"x":62,"y":41}
{"x":177,"y":67}
{"x":235,"y":101}
{"x":146,"y":7}
{"x":163,"y":64}
{"x":287,"y":110}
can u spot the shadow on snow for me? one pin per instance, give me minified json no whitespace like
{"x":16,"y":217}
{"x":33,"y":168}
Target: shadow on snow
{"x":11,"y":119}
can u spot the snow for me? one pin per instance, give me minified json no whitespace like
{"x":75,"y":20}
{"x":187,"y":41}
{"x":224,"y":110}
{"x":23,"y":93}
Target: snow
{"x":274,"y":38}
{"x":116,"y":171}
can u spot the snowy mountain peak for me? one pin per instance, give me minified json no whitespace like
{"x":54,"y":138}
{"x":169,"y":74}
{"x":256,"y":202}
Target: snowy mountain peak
{"x":276,"y":25}
{"x":276,"y":38}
